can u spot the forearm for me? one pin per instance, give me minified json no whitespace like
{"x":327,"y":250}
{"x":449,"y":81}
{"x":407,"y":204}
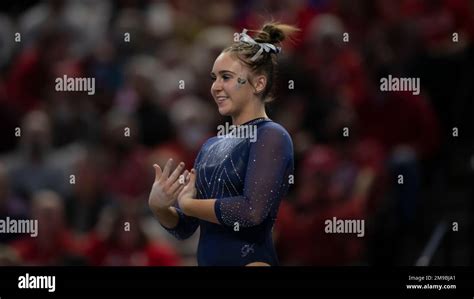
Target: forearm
{"x":202,"y":209}
{"x":168,"y":217}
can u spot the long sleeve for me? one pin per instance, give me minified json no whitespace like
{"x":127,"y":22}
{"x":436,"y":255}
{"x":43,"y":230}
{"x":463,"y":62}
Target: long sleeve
{"x":186,"y":225}
{"x":266,"y":181}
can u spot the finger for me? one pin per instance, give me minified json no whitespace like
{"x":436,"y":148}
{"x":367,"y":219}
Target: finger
{"x":178,"y":191}
{"x":167,"y":169}
{"x":174,"y":176}
{"x":188,"y":177}
{"x":192,"y":178}
{"x":158,"y":172}
{"x":185,"y":177}
{"x":179,"y":182}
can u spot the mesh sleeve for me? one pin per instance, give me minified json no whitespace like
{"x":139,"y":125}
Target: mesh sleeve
{"x":266,"y":180}
{"x":186,"y":226}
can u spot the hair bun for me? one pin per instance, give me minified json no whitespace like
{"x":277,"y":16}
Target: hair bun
{"x":275,"y":33}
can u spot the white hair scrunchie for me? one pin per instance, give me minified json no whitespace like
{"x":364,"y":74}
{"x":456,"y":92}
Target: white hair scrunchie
{"x":245,"y":38}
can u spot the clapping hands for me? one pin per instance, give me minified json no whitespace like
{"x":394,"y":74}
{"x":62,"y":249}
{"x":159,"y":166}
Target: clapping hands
{"x":171,"y":186}
{"x":166,"y":186}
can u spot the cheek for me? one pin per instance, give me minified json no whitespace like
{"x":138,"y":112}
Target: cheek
{"x":238,"y":92}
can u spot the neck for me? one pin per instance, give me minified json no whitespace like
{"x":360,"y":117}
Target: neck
{"x":253,"y":112}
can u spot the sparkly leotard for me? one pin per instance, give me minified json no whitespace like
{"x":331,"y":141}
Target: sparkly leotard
{"x":247,"y":177}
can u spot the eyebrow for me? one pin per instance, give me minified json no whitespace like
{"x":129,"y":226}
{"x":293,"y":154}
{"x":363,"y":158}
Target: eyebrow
{"x":223,"y":72}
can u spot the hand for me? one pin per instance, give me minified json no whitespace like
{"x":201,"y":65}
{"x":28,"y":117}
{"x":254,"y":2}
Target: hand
{"x":166,"y":187}
{"x":188,"y":193}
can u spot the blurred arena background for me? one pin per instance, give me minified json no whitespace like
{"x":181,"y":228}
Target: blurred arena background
{"x":75,"y":170}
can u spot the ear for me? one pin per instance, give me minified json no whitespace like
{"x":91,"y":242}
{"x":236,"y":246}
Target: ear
{"x":259,"y":82}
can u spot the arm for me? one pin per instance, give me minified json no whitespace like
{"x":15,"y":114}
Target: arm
{"x":181,"y":226}
{"x":265,"y":182}
{"x":168,"y":217}
{"x":202,"y":209}
{"x":198,"y":208}
{"x":163,"y":194}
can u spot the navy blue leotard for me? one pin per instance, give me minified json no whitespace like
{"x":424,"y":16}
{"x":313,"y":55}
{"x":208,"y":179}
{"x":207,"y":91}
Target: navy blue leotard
{"x":247,"y":177}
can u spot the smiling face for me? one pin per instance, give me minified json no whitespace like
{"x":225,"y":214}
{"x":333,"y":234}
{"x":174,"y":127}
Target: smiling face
{"x":232,"y":98}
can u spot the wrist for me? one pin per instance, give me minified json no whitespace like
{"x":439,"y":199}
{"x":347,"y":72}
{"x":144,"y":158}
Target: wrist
{"x":160,"y":209}
{"x":186,"y":205}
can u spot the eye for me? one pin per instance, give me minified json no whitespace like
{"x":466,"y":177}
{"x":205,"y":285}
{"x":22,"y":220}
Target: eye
{"x":213,"y":78}
{"x":226,"y":77}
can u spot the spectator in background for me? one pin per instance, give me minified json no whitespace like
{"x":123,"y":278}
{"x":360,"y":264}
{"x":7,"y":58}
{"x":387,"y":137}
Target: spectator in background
{"x":336,"y":64}
{"x":89,"y":196}
{"x":122,"y":157}
{"x":193,"y":120}
{"x":333,"y":70}
{"x":32,"y":72}
{"x":320,"y":196}
{"x":10,"y":205}
{"x":54,"y":245}
{"x":406,"y":127}
{"x":120,"y":240}
{"x":140,"y":99}
{"x":8,"y":257}
{"x":31,"y":167}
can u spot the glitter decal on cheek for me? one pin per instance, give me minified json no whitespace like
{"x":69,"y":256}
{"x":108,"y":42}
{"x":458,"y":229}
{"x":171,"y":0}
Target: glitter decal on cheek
{"x":241,"y":81}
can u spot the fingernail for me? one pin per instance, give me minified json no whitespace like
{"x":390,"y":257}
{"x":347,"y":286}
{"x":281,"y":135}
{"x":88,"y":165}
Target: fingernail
{"x":181,"y":164}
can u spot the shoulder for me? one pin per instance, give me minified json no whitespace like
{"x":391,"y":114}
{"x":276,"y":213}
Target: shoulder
{"x":271,"y":129}
{"x":209,"y":142}
{"x":205,"y":146}
{"x":274,"y":137}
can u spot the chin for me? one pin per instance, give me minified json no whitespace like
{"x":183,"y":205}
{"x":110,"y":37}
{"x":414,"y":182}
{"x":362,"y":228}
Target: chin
{"x":224,"y":111}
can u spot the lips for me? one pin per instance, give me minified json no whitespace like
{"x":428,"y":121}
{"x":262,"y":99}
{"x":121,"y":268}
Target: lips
{"x":221,"y":99}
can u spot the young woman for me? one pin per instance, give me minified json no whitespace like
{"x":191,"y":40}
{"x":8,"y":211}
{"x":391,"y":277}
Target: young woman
{"x":234,"y":190}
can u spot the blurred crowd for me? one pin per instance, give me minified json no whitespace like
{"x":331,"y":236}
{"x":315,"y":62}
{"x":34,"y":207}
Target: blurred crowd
{"x":82,"y":164}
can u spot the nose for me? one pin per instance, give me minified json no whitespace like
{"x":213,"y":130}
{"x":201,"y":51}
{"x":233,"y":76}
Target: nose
{"x":216,"y":86}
